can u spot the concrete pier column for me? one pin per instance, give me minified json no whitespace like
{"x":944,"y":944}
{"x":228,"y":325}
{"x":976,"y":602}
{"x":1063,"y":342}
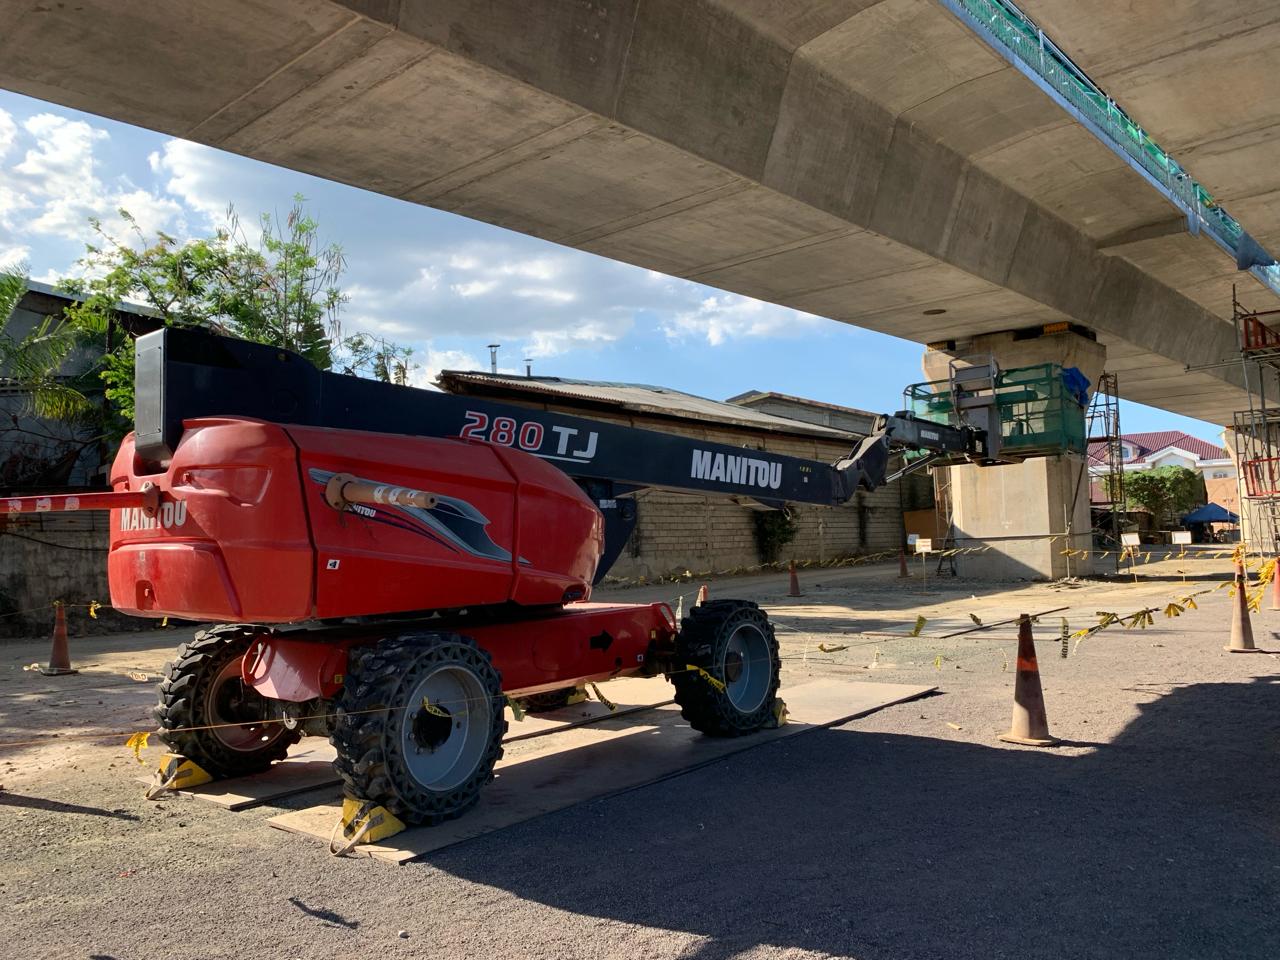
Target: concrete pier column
{"x":1015,"y":509}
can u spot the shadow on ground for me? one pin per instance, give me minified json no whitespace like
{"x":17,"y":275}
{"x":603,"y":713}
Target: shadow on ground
{"x":1165,"y":843}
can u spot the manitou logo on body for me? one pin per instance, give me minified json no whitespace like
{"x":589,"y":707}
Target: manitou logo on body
{"x":173,"y":514}
{"x":726,"y":468}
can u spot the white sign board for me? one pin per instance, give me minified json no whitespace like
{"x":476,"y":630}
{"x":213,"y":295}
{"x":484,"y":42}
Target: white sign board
{"x":923,"y":545}
{"x":912,"y":538}
{"x":1130,"y":539}
{"x":1182,"y":536}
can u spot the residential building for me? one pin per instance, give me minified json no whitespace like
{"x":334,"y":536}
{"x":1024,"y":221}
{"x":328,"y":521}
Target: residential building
{"x":1172,"y":448}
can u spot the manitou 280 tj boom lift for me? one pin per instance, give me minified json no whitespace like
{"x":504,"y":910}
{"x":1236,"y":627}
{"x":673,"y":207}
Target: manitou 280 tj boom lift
{"x":389,"y":565}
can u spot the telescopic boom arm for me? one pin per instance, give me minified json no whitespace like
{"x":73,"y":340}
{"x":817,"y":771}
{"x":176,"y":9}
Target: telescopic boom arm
{"x":184,"y":374}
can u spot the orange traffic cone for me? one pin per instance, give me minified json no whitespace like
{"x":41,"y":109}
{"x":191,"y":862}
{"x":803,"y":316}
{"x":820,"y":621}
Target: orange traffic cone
{"x":1030,"y":725}
{"x":795,"y":582}
{"x":702,"y":595}
{"x":1275,"y":584}
{"x":59,"y":656}
{"x":1241,"y":628}
{"x":902,"y":563}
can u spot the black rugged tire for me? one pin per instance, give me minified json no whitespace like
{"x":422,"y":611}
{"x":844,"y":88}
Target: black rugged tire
{"x":546,"y":702}
{"x":372,"y":706}
{"x":183,"y":704}
{"x":701,"y":642}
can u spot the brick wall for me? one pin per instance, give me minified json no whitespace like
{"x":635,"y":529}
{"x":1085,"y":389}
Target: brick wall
{"x":57,"y":558}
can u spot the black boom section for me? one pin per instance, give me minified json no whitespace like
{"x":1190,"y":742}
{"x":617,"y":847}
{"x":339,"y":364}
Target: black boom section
{"x":183,"y":374}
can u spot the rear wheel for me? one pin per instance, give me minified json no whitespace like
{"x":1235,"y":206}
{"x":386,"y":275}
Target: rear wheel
{"x":420,"y":725}
{"x":208,"y":714}
{"x":732,"y":641}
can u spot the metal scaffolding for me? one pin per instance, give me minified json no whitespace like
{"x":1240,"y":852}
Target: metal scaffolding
{"x":1104,"y":428}
{"x":1256,"y":430}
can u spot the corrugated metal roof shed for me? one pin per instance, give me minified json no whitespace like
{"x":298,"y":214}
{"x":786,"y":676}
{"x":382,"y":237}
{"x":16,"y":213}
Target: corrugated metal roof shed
{"x":636,"y":398}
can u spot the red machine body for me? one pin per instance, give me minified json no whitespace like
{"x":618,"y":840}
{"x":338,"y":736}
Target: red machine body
{"x":244,"y":533}
{"x":582,"y":643}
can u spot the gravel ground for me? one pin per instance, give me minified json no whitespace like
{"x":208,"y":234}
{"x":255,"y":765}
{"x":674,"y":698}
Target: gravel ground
{"x":911,"y":833}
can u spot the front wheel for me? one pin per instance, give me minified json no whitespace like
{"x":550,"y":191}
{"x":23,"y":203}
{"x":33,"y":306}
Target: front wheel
{"x":207,"y":713}
{"x":732,"y":642}
{"x":420,"y":725}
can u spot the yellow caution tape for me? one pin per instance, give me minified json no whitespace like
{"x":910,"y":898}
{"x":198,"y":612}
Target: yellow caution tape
{"x":94,"y":606}
{"x":834,"y":648}
{"x":920,"y":622}
{"x":432,"y":709}
{"x":137,"y":743}
{"x":718,"y":684}
{"x":974,"y":618}
{"x":605,"y":700}
{"x":517,"y":711}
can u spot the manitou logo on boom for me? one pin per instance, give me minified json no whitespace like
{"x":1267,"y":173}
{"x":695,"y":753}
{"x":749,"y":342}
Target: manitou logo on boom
{"x":172,"y":514}
{"x":747,"y":471}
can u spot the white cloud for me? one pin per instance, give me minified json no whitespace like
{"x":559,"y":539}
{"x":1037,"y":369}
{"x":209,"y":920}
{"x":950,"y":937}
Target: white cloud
{"x":198,"y":176}
{"x":534,"y":268}
{"x":57,"y":188}
{"x":549,"y":343}
{"x":8,"y":134}
{"x":546,"y":294}
{"x":431,"y":362}
{"x":474,"y":288}
{"x":13,"y":255}
{"x":729,"y":316}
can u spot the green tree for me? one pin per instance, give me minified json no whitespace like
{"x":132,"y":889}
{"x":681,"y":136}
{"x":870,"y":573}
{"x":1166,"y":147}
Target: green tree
{"x":33,"y":360}
{"x":363,"y":355}
{"x":1164,"y":491}
{"x":280,"y":288}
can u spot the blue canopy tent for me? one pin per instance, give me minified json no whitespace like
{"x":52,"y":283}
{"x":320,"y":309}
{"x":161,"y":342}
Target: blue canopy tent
{"x":1211,"y":513}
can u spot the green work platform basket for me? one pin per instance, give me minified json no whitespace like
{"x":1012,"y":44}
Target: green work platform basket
{"x":1038,"y":416}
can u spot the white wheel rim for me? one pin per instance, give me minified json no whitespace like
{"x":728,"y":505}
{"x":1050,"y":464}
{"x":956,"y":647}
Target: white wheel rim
{"x":441,"y":752}
{"x":748,"y":648}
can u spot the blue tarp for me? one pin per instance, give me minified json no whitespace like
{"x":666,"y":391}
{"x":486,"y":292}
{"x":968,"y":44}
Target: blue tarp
{"x":1211,"y":513}
{"x":1077,"y":385}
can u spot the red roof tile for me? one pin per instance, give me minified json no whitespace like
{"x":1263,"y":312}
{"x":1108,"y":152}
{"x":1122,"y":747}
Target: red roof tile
{"x":1153,"y":442}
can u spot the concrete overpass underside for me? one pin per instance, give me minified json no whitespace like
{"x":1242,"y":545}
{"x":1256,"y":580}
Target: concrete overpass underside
{"x":871,"y":161}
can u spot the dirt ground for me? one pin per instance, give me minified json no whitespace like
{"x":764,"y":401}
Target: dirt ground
{"x":1154,"y":830}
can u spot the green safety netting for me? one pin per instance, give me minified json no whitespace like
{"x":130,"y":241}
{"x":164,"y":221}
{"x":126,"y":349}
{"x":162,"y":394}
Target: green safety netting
{"x":1020,"y":38}
{"x":1038,"y":415}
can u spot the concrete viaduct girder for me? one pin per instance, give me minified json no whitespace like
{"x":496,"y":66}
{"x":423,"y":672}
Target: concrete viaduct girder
{"x":871,"y":162}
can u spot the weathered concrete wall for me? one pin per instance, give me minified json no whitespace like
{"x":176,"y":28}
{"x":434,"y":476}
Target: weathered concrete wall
{"x":61,"y":560}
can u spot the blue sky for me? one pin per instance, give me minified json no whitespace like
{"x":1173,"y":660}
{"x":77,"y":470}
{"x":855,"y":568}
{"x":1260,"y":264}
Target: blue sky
{"x":443,"y":284}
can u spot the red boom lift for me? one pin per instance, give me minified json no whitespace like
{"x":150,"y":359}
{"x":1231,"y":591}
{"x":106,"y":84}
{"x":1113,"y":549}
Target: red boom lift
{"x":389,"y":565}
